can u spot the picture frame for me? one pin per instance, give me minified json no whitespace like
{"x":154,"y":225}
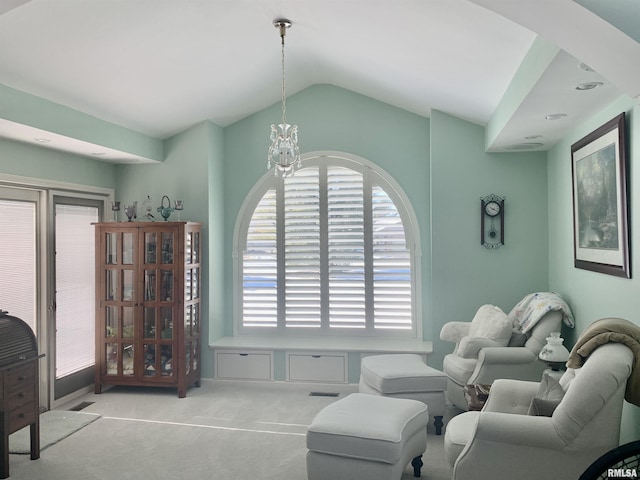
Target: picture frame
{"x":600,"y":200}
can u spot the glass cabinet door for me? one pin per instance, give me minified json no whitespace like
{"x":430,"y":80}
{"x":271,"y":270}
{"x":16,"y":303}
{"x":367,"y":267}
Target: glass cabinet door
{"x":118,"y":337}
{"x":192,"y":248}
{"x":150,"y":247}
{"x":111,"y":248}
{"x":158,"y":309}
{"x":119,"y":295}
{"x":192,"y":301}
{"x":167,"y":247}
{"x":128,"y":248}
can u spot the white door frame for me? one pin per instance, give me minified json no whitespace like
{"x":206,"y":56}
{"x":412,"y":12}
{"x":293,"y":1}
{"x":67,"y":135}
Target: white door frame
{"x":45,"y":272}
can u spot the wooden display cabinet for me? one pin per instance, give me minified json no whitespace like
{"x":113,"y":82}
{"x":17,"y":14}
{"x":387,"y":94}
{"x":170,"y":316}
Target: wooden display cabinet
{"x":148,"y":304}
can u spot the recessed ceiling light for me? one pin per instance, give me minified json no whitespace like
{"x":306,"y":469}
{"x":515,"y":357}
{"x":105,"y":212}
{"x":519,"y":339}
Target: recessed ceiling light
{"x":555,"y":116}
{"x":524,"y":146}
{"x":42,"y":140}
{"x":532,"y":137}
{"x":589,"y":85}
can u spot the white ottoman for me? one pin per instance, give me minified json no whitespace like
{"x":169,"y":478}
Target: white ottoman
{"x":405,"y":376}
{"x":366,"y":436}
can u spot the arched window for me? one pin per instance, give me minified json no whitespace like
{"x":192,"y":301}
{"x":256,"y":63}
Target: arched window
{"x":331,"y":249}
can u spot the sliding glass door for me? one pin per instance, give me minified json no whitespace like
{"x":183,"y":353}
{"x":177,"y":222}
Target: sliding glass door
{"x":47,"y":278}
{"x":74,"y":242}
{"x":18,"y":254}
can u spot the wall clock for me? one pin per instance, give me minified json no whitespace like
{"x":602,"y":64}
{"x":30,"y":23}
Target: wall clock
{"x":492,"y":221}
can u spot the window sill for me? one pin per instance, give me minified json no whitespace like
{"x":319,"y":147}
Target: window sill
{"x":326,"y":344}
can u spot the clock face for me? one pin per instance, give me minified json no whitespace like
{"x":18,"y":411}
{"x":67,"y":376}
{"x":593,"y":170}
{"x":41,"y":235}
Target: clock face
{"x":492,"y":208}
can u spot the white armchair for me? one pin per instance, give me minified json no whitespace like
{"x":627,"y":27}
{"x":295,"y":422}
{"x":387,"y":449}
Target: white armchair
{"x":482,"y":355}
{"x":507,"y":440}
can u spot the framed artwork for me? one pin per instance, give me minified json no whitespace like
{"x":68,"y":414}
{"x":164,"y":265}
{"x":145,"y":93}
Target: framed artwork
{"x":600,"y":201}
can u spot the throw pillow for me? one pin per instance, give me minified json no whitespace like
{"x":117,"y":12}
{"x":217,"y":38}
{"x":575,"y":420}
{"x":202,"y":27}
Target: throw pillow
{"x":491,"y":322}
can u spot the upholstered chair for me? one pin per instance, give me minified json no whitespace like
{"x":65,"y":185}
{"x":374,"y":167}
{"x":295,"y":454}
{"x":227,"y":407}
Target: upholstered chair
{"x":550,"y":429}
{"x":494,"y":345}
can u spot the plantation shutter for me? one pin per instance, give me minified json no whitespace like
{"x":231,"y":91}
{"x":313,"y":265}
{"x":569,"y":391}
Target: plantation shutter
{"x":326,"y":250}
{"x":391,"y":265}
{"x":302,"y":249}
{"x":260,"y":268}
{"x":346,"y":250}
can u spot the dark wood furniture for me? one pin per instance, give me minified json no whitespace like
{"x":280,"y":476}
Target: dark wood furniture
{"x":148,"y":304}
{"x":19,"y":401}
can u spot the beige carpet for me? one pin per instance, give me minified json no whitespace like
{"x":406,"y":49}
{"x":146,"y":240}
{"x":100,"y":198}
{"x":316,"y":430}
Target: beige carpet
{"x":55,"y":425}
{"x":221,"y":431}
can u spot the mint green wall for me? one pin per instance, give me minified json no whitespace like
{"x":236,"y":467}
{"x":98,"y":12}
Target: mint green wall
{"x":464,"y":274}
{"x":37,"y":112}
{"x":38,"y":162}
{"x":329,"y":118}
{"x":594,"y":295}
{"x":184,"y":175}
{"x":217,"y":253}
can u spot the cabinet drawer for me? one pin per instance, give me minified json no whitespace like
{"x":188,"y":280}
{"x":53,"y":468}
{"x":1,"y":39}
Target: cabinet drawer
{"x":18,"y":398}
{"x":244,"y":365}
{"x":22,"y":416}
{"x":317,"y":367}
{"x":18,"y":377}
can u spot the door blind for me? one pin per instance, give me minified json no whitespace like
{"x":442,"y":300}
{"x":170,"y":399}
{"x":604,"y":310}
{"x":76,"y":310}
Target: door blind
{"x":75,"y":290}
{"x":18,"y":259}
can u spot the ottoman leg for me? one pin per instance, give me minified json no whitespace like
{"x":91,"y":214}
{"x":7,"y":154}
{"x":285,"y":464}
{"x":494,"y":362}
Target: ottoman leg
{"x":437,"y":422}
{"x":416,"y":463}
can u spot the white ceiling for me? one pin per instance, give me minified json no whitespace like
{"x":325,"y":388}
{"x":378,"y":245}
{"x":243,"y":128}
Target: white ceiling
{"x":160,"y":66}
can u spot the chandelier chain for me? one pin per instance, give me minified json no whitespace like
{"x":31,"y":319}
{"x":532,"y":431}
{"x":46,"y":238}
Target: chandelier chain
{"x":284,"y":91}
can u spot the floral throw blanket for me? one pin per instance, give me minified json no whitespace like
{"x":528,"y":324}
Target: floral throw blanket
{"x":535,"y":306}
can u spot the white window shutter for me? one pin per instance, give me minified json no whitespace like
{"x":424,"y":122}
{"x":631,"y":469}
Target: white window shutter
{"x":260,"y":269}
{"x":346,"y":255}
{"x":302,"y":249}
{"x":391,"y":265}
{"x":326,"y":250}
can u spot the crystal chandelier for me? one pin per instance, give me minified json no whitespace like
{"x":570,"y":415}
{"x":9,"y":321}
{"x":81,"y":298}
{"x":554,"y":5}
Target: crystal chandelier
{"x":284,"y":153}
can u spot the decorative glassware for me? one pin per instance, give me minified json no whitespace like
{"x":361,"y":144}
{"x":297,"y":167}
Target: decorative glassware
{"x":179,"y":207}
{"x":115,"y":207}
{"x":147,"y":207}
{"x":131,"y":210}
{"x":165,"y":211}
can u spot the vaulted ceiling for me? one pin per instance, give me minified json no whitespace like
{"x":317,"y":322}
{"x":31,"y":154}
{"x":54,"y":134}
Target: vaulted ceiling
{"x":157,"y":67}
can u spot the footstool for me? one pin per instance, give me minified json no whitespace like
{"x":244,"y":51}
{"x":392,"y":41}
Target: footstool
{"x":366,"y":436}
{"x":405,"y":376}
